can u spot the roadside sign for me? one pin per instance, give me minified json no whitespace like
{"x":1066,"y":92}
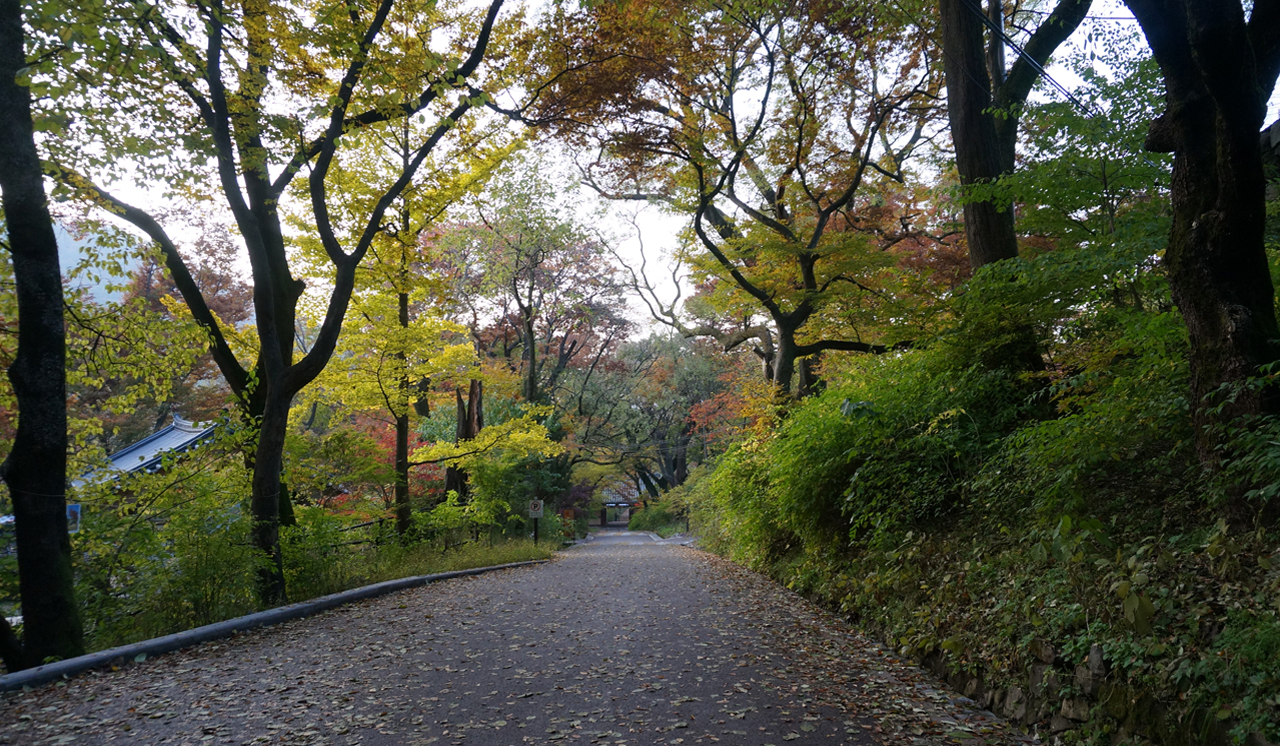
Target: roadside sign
{"x":535,"y":508}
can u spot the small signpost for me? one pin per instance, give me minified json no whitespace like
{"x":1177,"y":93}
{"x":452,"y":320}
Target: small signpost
{"x":535,"y":512}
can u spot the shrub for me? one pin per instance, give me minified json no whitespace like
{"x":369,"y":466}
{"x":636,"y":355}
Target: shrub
{"x":661,"y":518}
{"x":1122,"y":419}
{"x":158,"y":553}
{"x":318,"y":560}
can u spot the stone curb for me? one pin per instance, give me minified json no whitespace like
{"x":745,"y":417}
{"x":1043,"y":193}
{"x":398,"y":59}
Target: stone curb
{"x":159,"y":645}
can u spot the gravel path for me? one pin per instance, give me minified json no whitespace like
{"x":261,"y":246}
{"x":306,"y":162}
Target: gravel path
{"x":622,"y":641}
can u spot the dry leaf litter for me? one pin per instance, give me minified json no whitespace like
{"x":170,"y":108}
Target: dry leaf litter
{"x":621,"y":641}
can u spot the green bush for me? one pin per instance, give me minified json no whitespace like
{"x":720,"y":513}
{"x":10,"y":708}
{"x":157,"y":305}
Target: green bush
{"x":735,"y":512}
{"x":1123,"y":421}
{"x":1242,"y":678}
{"x":159,"y":553}
{"x":659,"y":517}
{"x":317,"y":558}
{"x":889,"y":449}
{"x":206,"y":575}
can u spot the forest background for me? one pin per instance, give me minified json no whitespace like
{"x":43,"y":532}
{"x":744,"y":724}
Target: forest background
{"x":981,"y":360}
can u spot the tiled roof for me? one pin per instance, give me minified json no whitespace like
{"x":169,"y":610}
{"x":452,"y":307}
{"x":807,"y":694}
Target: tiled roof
{"x":146,"y":454}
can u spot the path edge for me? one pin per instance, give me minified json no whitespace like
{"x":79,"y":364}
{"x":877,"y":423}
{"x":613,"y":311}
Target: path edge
{"x":178,"y":640}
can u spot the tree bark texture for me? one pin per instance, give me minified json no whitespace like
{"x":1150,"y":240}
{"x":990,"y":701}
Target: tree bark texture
{"x":404,"y":510}
{"x":265,"y":501}
{"x":988,"y":226}
{"x":36,"y":469}
{"x":984,"y":104}
{"x":1219,"y":70}
{"x":784,"y":369}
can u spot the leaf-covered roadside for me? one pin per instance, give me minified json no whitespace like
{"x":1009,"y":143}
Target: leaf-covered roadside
{"x":1185,"y":623}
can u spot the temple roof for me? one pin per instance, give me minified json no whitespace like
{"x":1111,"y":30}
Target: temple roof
{"x":146,"y":454}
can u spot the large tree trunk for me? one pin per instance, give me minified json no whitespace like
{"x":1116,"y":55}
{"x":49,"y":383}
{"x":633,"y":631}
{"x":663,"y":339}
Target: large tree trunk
{"x":36,"y":468}
{"x":1219,"y":71}
{"x":984,"y":103}
{"x":988,"y":227}
{"x":1217,"y":266}
{"x":268,"y":459}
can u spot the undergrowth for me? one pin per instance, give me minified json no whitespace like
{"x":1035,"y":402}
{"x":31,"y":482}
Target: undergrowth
{"x":659,"y":517}
{"x":178,"y":555}
{"x":317,"y":563}
{"x":955,"y":499}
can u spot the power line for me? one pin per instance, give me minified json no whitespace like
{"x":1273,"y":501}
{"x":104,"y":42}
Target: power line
{"x":1130,"y":19}
{"x":1092,"y":114}
{"x":996,"y":29}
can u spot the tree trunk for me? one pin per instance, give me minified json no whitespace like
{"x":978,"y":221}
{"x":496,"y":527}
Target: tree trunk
{"x":455,"y":479}
{"x":984,"y":103}
{"x":1217,"y":266}
{"x":268,"y":459}
{"x":529,"y":387}
{"x":682,"y":453}
{"x":36,"y":468}
{"x":988,"y":228}
{"x":1218,"y":74}
{"x":404,"y":511}
{"x":808,"y":382}
{"x":475,"y":408}
{"x":470,"y":423}
{"x":647,"y":481}
{"x":784,"y":361}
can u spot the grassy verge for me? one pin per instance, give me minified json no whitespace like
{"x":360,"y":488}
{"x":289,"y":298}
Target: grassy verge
{"x":315,"y":565}
{"x":393,"y":563}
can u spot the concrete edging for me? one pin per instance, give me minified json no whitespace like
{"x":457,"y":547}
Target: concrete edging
{"x":168,"y":643}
